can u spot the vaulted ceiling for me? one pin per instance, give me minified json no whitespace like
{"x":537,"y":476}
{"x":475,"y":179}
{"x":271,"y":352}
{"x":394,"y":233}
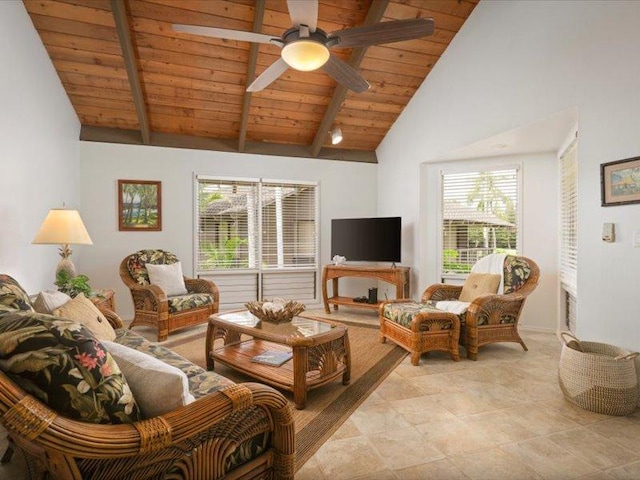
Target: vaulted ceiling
{"x":132,"y":79}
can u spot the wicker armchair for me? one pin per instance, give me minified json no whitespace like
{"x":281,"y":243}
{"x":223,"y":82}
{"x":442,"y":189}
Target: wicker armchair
{"x":154,"y":308}
{"x":492,"y":318}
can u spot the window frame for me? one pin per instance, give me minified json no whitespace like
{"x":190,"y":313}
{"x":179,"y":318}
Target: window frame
{"x":477,"y":166}
{"x":262,"y":272}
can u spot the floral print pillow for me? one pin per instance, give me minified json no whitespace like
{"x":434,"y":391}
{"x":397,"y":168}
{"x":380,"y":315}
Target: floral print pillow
{"x":62,"y":364}
{"x":136,"y":264}
{"x":12,"y":297}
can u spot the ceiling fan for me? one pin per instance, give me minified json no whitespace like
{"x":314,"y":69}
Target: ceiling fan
{"x":305,"y":47}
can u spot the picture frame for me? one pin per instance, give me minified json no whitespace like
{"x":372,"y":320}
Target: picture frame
{"x":139,"y":206}
{"x":620,"y":182}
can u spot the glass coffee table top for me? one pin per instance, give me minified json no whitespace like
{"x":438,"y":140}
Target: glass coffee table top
{"x":297,"y":327}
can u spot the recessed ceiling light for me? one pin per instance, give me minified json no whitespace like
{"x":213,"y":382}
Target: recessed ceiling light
{"x":336,"y":136}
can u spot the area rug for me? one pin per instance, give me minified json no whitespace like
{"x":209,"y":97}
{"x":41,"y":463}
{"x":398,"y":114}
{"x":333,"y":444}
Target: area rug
{"x":328,"y":406}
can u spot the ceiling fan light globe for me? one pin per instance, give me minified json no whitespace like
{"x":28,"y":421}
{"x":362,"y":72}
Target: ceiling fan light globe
{"x":305,"y":55}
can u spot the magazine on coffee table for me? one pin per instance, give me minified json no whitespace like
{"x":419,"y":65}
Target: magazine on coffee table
{"x":272,"y":357}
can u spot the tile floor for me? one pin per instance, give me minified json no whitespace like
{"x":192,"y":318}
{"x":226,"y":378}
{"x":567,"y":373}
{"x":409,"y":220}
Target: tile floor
{"x":502,"y":417}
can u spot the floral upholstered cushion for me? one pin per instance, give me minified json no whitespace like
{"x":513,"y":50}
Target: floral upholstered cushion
{"x":403,"y":313}
{"x":201,"y":381}
{"x":187,"y":302}
{"x":136,"y":264}
{"x":516,"y":273}
{"x":63,"y":365}
{"x":12,"y":297}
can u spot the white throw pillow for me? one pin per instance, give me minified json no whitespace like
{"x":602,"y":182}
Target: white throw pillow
{"x":168,"y":277}
{"x":48,"y":300}
{"x":157,"y":386}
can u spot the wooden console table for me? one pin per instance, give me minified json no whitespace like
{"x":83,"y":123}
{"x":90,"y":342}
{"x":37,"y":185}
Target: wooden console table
{"x":398,"y":276}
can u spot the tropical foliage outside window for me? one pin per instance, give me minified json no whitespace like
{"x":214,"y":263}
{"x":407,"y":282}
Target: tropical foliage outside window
{"x":479,"y":217}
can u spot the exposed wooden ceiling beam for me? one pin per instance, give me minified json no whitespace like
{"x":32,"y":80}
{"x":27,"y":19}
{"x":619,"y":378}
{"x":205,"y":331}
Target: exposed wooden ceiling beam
{"x":251,"y":71}
{"x":132,"y":137}
{"x":374,"y":15}
{"x":119,"y":9}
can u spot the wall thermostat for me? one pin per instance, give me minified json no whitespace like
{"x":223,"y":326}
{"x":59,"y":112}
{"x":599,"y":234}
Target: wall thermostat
{"x":609,"y":232}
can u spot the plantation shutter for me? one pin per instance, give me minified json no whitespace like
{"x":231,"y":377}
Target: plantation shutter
{"x":289,"y":225}
{"x":479,"y":217}
{"x":227,"y":234}
{"x":569,"y":219}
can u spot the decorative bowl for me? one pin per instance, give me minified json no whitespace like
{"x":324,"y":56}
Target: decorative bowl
{"x":275,"y":311}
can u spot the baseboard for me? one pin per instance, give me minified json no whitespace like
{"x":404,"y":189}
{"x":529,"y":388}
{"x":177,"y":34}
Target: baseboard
{"x":537,"y":329}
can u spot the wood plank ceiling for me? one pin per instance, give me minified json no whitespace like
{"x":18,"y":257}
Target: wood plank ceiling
{"x":132,"y":79}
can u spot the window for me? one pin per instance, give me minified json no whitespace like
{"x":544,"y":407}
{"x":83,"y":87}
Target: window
{"x":256,"y":238}
{"x":479,"y":216}
{"x":569,"y":231}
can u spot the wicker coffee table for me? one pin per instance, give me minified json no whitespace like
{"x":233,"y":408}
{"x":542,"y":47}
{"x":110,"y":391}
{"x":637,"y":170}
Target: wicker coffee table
{"x":320,"y":350}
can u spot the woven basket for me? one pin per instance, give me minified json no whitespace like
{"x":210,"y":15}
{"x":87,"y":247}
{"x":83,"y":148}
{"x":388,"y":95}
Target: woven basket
{"x":598,"y":377}
{"x":290,"y":310}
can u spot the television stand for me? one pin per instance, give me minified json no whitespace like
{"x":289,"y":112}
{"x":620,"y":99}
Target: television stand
{"x":398,"y":276}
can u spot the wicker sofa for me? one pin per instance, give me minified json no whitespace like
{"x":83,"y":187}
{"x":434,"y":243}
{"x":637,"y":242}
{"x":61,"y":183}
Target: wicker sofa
{"x":229,"y":431}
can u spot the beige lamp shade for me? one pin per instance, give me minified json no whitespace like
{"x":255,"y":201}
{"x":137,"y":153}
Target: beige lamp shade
{"x":63,"y":227}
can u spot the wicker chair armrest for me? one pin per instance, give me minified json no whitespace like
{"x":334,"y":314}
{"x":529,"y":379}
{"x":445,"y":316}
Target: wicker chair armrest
{"x":112,"y":317}
{"x":35,"y":423}
{"x":493,"y":306}
{"x":151,"y":295}
{"x":201,"y":285}
{"x":441,"y":291}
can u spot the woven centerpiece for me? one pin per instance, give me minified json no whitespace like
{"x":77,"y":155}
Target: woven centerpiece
{"x":276,"y":311}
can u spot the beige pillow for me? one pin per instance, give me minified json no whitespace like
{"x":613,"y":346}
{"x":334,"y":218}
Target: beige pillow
{"x":479,"y":283}
{"x":80,"y":309}
{"x":48,"y":300}
{"x":157,"y":386}
{"x":168,"y":277}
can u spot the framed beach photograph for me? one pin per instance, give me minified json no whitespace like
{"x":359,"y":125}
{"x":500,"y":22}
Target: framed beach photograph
{"x":139,"y":206}
{"x":620,"y":182}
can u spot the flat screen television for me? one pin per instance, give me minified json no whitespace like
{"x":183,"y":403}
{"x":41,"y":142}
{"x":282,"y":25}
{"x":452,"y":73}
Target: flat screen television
{"x":367,"y":239}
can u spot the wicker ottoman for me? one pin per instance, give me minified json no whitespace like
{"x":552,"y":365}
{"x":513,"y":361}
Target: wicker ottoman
{"x":418,"y":328}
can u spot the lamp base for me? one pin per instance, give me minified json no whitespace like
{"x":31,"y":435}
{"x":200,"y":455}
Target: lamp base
{"x":67,"y":266}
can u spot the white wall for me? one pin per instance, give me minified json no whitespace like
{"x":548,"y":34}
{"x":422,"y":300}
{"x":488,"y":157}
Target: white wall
{"x":347,"y":189}
{"x":38,"y":150}
{"x":517,"y":62}
{"x":538,"y":226}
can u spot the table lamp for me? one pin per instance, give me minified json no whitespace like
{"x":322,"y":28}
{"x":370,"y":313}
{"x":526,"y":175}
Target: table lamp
{"x":64,"y":227}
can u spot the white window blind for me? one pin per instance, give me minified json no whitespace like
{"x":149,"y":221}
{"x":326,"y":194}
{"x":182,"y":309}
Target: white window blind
{"x":569,"y":219}
{"x":289,"y":227}
{"x":227,"y":224}
{"x":479,"y":217}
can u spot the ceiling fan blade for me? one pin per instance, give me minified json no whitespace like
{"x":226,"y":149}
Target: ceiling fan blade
{"x":304,"y":12}
{"x":225,"y":33}
{"x":276,"y":69}
{"x":383,"y":32}
{"x":345,"y":74}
